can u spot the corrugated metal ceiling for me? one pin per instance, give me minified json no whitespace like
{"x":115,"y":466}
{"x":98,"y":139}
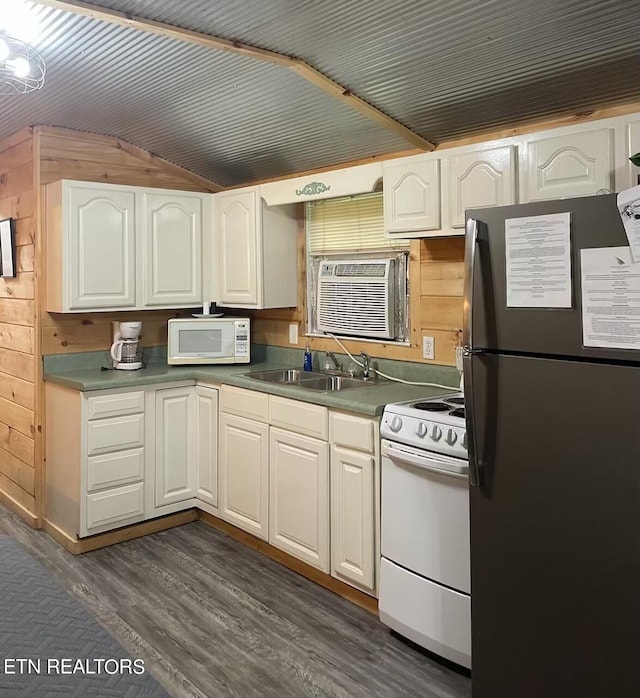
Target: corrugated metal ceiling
{"x":445,"y":68}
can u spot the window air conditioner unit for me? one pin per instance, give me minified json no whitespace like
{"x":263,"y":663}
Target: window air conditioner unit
{"x":357,"y":297}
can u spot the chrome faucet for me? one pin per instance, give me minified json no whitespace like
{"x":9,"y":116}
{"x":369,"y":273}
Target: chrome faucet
{"x":366,"y":363}
{"x":336,"y":363}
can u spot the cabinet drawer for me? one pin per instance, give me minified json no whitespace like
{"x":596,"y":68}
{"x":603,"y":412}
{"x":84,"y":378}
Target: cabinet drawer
{"x":301,"y":417}
{"x":113,"y":469}
{"x":245,"y":403}
{"x":115,"y":434}
{"x":116,"y":405}
{"x":115,"y":506}
{"x":353,"y":432}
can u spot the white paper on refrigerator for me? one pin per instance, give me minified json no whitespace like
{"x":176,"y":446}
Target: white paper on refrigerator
{"x":629,"y":208}
{"x":610,"y":298}
{"x":538,"y":256}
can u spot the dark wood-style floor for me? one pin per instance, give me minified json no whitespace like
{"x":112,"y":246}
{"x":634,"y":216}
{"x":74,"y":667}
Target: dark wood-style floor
{"x":211,"y":617}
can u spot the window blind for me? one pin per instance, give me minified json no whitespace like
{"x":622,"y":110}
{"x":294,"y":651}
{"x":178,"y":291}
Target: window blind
{"x":349,"y":224}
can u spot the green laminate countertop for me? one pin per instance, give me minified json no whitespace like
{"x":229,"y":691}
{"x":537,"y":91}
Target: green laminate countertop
{"x":369,"y":400}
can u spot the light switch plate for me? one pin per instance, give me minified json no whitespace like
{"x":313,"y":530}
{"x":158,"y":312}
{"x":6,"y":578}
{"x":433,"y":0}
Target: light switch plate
{"x":293,"y":333}
{"x":459,"y":358}
{"x":428,"y":347}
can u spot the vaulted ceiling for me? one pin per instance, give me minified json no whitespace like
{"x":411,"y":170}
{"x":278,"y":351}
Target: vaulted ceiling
{"x":440,"y":69}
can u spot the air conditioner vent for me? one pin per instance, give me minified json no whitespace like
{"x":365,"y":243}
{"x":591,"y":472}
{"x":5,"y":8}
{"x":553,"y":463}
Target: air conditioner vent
{"x":346,"y":269}
{"x":356,"y":297}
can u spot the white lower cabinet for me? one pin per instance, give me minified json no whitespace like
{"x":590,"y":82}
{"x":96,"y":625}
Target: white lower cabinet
{"x":182,"y":449}
{"x":175,"y":445}
{"x":244,"y":474}
{"x":118,"y":457}
{"x":206,"y":444}
{"x":304,"y":478}
{"x":95,"y":454}
{"x":352,"y":517}
{"x":299,"y":496}
{"x":355,"y":500}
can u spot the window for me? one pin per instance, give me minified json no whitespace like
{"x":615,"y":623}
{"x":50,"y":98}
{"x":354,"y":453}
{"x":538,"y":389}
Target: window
{"x":368,"y":293}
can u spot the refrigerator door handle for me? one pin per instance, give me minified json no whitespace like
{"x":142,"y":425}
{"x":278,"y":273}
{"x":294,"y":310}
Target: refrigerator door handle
{"x":475,"y":466}
{"x":471,"y":244}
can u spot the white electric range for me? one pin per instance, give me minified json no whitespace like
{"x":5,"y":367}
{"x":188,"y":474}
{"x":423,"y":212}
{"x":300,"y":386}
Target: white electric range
{"x":425,"y":585}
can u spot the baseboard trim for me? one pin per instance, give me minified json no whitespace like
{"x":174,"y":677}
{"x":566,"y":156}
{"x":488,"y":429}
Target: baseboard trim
{"x":17,"y":508}
{"x":77,"y":546}
{"x":346,"y":591}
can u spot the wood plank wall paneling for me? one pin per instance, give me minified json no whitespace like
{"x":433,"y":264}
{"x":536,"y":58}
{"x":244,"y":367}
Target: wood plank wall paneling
{"x":18,"y":323}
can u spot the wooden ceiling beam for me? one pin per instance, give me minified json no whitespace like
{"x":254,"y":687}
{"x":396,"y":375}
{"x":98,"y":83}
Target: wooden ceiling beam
{"x":299,"y":66}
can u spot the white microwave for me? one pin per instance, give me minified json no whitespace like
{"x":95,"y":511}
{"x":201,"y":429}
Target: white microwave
{"x":223,"y":340}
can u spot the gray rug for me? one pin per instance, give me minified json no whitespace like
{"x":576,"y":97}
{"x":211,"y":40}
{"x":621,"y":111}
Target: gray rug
{"x":51,"y":646}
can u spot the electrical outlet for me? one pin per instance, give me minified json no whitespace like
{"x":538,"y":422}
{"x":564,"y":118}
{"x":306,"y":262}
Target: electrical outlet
{"x":428,"y":347}
{"x":459,"y":355}
{"x":293,"y":333}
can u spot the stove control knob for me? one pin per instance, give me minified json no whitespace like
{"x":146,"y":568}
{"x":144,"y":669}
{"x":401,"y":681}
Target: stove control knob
{"x":436,"y":433}
{"x":464,"y":440}
{"x":395,"y":424}
{"x":451,"y":437}
{"x":421,"y":430}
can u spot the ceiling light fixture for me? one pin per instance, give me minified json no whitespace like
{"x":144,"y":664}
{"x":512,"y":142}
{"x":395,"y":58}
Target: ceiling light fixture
{"x":22,"y":68}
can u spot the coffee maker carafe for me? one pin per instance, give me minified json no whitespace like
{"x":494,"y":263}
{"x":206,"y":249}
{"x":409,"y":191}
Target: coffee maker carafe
{"x":124,"y":350}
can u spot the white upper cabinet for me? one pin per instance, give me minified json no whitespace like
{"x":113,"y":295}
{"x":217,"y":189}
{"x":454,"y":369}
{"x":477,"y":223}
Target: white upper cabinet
{"x":555,"y":166}
{"x":478,"y":179}
{"x":411,"y":195}
{"x":235,"y":226}
{"x":171,"y":244}
{"x":255,"y":249}
{"x":112,"y":247}
{"x":91,"y":235}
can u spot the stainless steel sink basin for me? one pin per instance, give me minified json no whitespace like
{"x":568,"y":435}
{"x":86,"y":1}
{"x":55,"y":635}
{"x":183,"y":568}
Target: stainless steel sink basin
{"x":323,"y":382}
{"x":285,"y":375}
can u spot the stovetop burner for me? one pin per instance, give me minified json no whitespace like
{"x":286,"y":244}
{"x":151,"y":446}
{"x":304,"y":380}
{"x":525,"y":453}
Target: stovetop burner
{"x":455,"y":401}
{"x":431,"y":406}
{"x":458,"y":412}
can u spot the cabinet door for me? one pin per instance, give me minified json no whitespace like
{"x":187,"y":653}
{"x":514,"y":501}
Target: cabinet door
{"x":352,"y":517}
{"x":574,"y":164}
{"x":207,"y":444}
{"x":244,"y":474}
{"x":171,"y":249}
{"x":175,"y":433}
{"x":480,"y":179}
{"x":299,"y":497}
{"x":101,"y":247}
{"x":412,"y":195}
{"x":236,"y":219}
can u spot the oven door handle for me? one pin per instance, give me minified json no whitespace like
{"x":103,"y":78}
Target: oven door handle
{"x":426,"y":462}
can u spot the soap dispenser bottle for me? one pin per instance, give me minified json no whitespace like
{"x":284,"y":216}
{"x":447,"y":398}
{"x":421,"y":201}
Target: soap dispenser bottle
{"x":308,"y":359}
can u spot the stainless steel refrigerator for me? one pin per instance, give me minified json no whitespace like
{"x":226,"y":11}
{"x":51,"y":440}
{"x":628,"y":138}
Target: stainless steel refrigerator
{"x":554,"y":446}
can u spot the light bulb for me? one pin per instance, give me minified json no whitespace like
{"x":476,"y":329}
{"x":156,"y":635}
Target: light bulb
{"x":21,"y":67}
{"x":4,"y":50}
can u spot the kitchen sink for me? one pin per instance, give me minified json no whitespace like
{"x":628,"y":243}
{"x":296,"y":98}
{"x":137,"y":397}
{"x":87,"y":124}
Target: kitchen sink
{"x":324,"y":382}
{"x":286,"y":375}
